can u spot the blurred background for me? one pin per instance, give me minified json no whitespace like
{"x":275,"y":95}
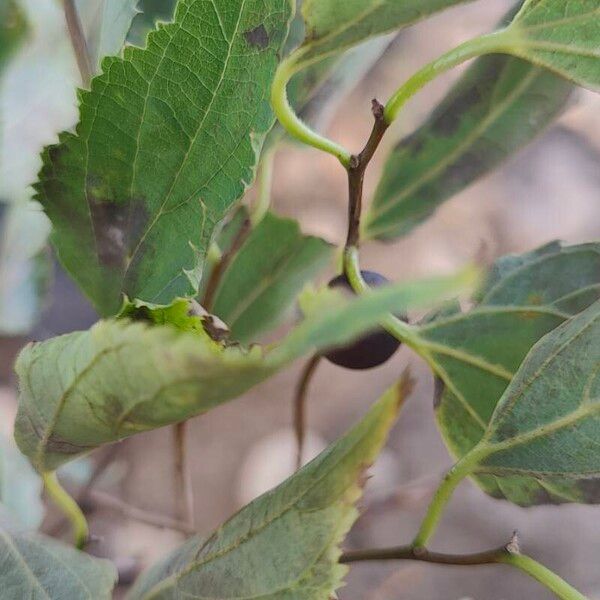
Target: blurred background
{"x":550,"y":190}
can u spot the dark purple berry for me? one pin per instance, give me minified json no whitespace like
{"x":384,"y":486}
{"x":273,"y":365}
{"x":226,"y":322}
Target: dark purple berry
{"x":374,"y":348}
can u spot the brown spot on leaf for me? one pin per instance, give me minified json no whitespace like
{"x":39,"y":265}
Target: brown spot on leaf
{"x":117,"y":226}
{"x":257,"y":37}
{"x":438,"y":391}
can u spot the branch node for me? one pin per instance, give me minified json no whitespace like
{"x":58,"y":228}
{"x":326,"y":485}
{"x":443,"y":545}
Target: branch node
{"x":354,"y":162}
{"x":420,"y":552}
{"x":378,"y":109}
{"x":513,"y":546}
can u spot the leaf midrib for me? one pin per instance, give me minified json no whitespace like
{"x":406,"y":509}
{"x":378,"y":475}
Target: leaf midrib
{"x":172,"y":579}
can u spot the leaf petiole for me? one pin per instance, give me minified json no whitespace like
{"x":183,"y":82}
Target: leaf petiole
{"x":291,"y":121}
{"x":499,"y":41}
{"x":69,"y":507}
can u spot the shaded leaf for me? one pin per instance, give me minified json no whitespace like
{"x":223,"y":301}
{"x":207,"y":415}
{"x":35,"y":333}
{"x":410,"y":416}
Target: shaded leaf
{"x":476,"y":354}
{"x":40,"y":568}
{"x":496,"y":108}
{"x":333,"y":26}
{"x":547,"y":424}
{"x":266,"y":276}
{"x":105,"y":24}
{"x":562,"y":35}
{"x":285,"y":544}
{"x":20,"y":488}
{"x":165,"y":146}
{"x":89,"y":388}
{"x":12,"y":29}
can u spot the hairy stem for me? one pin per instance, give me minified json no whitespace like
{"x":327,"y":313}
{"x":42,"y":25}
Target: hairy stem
{"x":300,"y":398}
{"x":78,"y":41}
{"x":291,"y":121}
{"x":486,"y":44}
{"x":183,"y":478}
{"x":69,"y":507}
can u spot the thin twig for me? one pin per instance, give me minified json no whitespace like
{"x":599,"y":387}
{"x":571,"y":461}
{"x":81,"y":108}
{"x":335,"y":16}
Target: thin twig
{"x":356,"y":174}
{"x":104,"y":500}
{"x":420,"y":554}
{"x":80,"y":47}
{"x":183,"y":478}
{"x":300,"y":406}
{"x":221,"y":266}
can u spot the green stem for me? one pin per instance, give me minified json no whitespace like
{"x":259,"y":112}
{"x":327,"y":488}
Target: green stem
{"x":442,"y":496}
{"x":543,"y":575}
{"x":290,"y":120}
{"x":487,"y":44}
{"x":69,"y":507}
{"x":265,"y":185}
{"x":398,"y":328}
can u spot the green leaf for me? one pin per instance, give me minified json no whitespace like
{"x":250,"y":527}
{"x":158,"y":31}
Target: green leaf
{"x":105,"y":24}
{"x":12,"y":29}
{"x":496,"y":108}
{"x":333,"y":26}
{"x":285,"y":544}
{"x":547,"y":423}
{"x":561,"y":35}
{"x":89,"y":388}
{"x":40,"y":568}
{"x":266,"y":276}
{"x":20,"y":488}
{"x":164,"y":148}
{"x":475,"y":354}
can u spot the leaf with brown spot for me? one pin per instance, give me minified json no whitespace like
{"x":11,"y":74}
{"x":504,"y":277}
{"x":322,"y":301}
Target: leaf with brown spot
{"x":164,"y":148}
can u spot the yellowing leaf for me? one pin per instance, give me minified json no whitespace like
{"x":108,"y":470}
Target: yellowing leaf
{"x":285,"y":544}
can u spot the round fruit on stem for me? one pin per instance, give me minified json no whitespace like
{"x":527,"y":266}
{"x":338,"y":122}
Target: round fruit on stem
{"x":374,"y":348}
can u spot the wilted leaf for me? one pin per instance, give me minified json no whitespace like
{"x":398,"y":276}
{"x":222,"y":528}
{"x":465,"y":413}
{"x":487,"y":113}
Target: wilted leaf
{"x":476,"y":354}
{"x":20,"y":488}
{"x":105,"y":24}
{"x":547,"y":424}
{"x":497,"y":107}
{"x":562,"y":35}
{"x":165,"y":146}
{"x":89,"y":388}
{"x":266,"y":275}
{"x":333,"y":26}
{"x":40,"y":568}
{"x":285,"y":544}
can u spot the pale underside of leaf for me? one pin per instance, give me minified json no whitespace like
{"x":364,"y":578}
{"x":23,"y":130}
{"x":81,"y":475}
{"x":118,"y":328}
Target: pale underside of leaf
{"x":561,"y":35}
{"x":39,"y":568}
{"x":476,"y":354}
{"x":89,"y":388}
{"x":284,"y":545}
